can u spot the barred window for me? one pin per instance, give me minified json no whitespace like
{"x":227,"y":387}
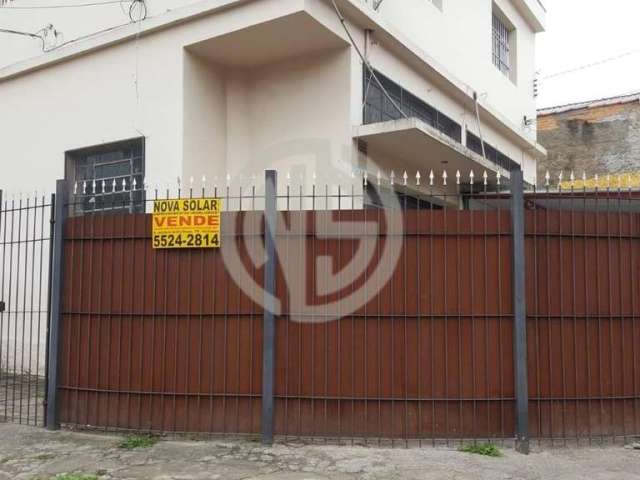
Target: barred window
{"x":494,"y":155}
{"x":501,"y":45}
{"x":378,"y":108}
{"x":102,"y":178}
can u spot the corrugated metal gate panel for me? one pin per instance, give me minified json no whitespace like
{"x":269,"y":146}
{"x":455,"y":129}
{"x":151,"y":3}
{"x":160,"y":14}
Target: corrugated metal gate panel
{"x":166,"y":341}
{"x":155,"y":340}
{"x":584,"y":337}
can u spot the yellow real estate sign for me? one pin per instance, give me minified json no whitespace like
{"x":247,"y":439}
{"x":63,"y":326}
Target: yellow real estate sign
{"x":186,"y":223}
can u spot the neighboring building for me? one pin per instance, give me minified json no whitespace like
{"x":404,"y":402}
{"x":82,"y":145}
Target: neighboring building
{"x":597,"y":137}
{"x":231,"y":87}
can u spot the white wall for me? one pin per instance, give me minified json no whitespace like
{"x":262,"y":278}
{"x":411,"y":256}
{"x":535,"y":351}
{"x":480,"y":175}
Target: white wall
{"x":89,"y":101}
{"x":459,"y":38}
{"x":204,"y":141}
{"x":293,"y":115}
{"x":127,"y":90}
{"x":199,"y":118}
{"x":71,"y":22}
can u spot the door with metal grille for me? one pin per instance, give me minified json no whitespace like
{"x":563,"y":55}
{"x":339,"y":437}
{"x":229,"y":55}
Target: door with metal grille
{"x":25,"y":241}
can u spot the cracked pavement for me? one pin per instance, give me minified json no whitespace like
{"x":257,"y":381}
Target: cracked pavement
{"x":32,"y":453}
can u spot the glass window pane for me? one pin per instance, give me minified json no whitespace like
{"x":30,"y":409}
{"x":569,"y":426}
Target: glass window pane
{"x":113,"y":170}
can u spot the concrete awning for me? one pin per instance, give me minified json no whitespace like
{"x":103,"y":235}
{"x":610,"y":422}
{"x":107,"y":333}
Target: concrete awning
{"x":411,"y":144}
{"x":293,"y":35}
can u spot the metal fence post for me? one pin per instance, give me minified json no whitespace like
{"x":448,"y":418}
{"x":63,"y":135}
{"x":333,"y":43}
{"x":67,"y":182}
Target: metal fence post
{"x":519,"y":313}
{"x":55,"y":312}
{"x":268,"y":349}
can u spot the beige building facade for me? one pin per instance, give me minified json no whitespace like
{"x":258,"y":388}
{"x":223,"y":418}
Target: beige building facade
{"x":222,"y":89}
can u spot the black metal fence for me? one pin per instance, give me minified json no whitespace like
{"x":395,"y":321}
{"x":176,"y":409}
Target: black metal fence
{"x":25,"y":243}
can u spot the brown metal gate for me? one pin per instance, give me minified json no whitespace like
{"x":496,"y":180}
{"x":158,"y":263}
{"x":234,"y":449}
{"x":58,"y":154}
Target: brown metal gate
{"x":154,"y":340}
{"x":167,"y":341}
{"x":583,"y":255}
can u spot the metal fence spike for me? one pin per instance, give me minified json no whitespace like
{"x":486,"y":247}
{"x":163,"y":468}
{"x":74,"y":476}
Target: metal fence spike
{"x":444,"y":177}
{"x":418,"y":177}
{"x":498,"y":177}
{"x":431,"y":177}
{"x":75,"y":188}
{"x":485,"y":178}
{"x":471,"y":177}
{"x":134,"y":183}
{"x":392,"y":177}
{"x":104,"y":186}
{"x":405,"y":177}
{"x":379,"y":177}
{"x":364,"y":178}
{"x":457,"y":177}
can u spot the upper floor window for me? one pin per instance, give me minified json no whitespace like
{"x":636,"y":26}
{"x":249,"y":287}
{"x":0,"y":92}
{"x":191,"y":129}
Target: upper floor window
{"x":503,"y":45}
{"x":378,"y":107}
{"x":107,"y":178}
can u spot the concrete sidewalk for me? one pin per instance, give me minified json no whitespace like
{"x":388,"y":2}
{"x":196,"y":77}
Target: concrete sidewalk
{"x":28,"y":453}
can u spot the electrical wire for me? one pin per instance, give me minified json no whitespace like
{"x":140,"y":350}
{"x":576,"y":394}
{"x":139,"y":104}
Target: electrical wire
{"x":364,"y":59}
{"x":143,"y":10}
{"x":93,"y":34}
{"x":77,"y":5}
{"x":24,"y":34}
{"x":590,"y":65}
{"x":475,"y":99}
{"x":84,"y":37}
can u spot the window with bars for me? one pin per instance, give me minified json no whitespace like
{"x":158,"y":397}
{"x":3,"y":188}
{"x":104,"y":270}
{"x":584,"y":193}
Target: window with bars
{"x":493,"y":154}
{"x":501,"y":45}
{"x":107,"y":178}
{"x":378,"y":108}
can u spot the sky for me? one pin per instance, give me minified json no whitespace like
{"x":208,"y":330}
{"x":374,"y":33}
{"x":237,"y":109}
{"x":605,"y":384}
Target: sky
{"x":583,"y":32}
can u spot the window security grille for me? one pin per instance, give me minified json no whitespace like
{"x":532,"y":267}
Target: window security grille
{"x":501,"y":48}
{"x":493,"y":154}
{"x":378,"y":108}
{"x":103,"y":178}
